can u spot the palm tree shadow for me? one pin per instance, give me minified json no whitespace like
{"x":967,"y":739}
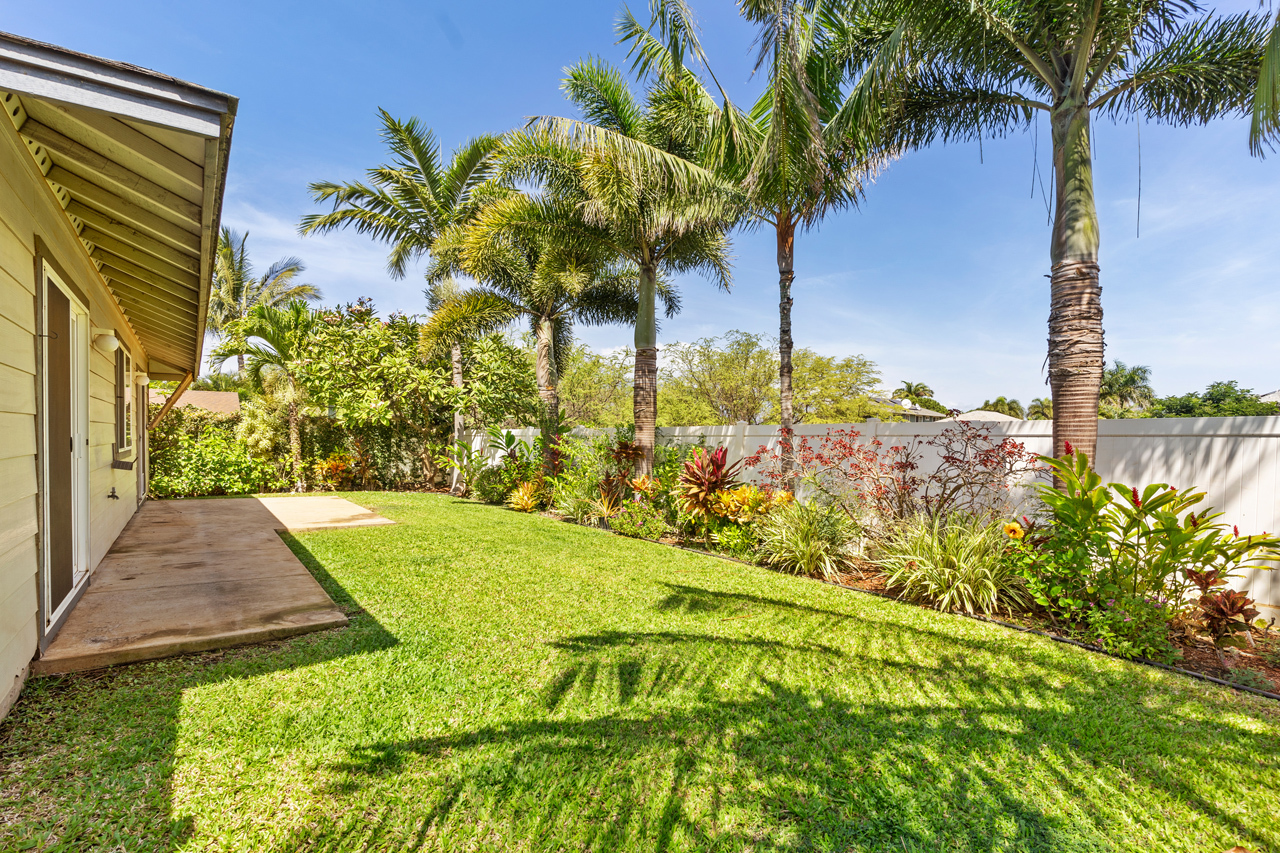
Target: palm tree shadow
{"x":690,"y":740}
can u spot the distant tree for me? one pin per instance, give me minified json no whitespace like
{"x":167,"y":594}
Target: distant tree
{"x":832,"y":390}
{"x":236,"y":291}
{"x":595,"y":389}
{"x":932,"y":405}
{"x":912,"y":392}
{"x":735,"y":376}
{"x":1003,"y":406}
{"x":216,"y":380}
{"x":1126,"y":386}
{"x":1219,"y":400}
{"x":1041,"y":409}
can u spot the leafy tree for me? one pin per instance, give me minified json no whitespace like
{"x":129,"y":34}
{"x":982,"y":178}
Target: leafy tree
{"x":831,"y":390}
{"x":913,"y":391}
{"x":932,"y":405}
{"x":960,"y":70}
{"x":734,"y":377}
{"x":622,"y":183}
{"x":408,"y":202}
{"x":236,"y":291}
{"x":272,"y":339}
{"x":1041,"y":409}
{"x":595,"y":389}
{"x":216,"y":380}
{"x":1219,"y":400}
{"x":1004,"y":406}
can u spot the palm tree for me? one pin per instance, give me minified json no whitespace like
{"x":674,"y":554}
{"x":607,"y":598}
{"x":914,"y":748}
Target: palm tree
{"x":1041,"y":409}
{"x":1127,"y":386}
{"x":622,"y":184}
{"x":795,"y":167}
{"x":913,"y":392}
{"x":961,"y":70}
{"x":273,"y":338}
{"x":1266,"y":101}
{"x":523,"y":275}
{"x":409,"y":202}
{"x":1004,"y":406}
{"x":236,"y":291}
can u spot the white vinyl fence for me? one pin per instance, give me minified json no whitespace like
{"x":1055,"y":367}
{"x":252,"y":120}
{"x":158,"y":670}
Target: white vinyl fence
{"x":1235,"y":461}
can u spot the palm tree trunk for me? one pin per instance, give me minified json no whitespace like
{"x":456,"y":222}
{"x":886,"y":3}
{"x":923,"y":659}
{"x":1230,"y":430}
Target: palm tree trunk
{"x":295,"y":445}
{"x":1076,"y":356}
{"x":459,"y":423}
{"x":786,"y":232}
{"x":240,"y":364}
{"x":545,"y":370}
{"x":645,"y":401}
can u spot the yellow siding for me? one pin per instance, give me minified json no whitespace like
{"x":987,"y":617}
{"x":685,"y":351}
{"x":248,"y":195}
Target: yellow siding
{"x":29,"y":209}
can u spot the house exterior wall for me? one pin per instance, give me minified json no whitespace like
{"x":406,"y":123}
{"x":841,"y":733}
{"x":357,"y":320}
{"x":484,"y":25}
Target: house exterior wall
{"x":32,"y":221}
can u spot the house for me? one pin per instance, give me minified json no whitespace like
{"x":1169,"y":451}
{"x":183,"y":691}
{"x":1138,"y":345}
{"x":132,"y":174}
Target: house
{"x":218,"y":402}
{"x":909,"y":411}
{"x":111,"y":182}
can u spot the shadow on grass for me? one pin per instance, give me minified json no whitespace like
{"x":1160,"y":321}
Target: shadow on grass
{"x":74,"y":742}
{"x":691,"y":741}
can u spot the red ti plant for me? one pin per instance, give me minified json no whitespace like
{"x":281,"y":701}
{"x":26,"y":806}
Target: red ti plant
{"x":703,"y":476}
{"x":1226,"y":615}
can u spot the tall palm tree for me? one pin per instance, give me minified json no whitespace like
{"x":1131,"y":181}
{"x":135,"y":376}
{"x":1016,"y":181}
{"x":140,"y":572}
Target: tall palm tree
{"x":273,"y":338}
{"x":408,"y":202}
{"x":522,"y":274}
{"x":961,"y":70}
{"x":623,"y":183}
{"x":1266,"y":101}
{"x":1127,"y":386}
{"x":1041,"y":409}
{"x":236,"y":291}
{"x":913,"y":391}
{"x":794,"y":166}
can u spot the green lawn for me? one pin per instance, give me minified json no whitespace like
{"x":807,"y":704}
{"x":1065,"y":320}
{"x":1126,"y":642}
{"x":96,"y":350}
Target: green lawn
{"x":515,"y":683}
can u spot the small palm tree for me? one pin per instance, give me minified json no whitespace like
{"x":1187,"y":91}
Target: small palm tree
{"x":962,"y":70}
{"x":913,"y":392}
{"x":623,"y":184}
{"x":273,"y":339}
{"x":1041,"y":409}
{"x":1004,"y":406}
{"x":524,"y":275}
{"x":236,"y":291}
{"x":1127,"y":386}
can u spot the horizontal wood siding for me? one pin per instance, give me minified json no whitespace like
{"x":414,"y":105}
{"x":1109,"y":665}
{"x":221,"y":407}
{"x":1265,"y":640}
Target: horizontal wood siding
{"x":28,"y":209}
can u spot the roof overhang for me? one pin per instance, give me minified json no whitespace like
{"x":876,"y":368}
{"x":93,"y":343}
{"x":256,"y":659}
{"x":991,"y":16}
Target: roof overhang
{"x":138,"y":161}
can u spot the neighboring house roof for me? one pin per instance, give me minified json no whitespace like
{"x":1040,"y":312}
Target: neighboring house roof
{"x":138,"y":160}
{"x":1273,"y":397}
{"x":983,"y":415}
{"x":910,"y":409}
{"x":222,"y":402}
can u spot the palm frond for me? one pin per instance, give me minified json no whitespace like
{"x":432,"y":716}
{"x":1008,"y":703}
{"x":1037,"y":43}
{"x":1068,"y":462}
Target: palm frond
{"x":1265,"y":126}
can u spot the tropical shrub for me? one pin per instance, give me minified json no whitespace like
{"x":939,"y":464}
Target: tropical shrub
{"x":1112,"y":541}
{"x":705,"y":475}
{"x":747,"y":504}
{"x":740,"y":541}
{"x":1225,"y":615}
{"x":808,"y":539}
{"x":639,"y":519}
{"x":335,"y":472}
{"x":954,"y":563}
{"x":213,"y":464}
{"x":584,"y":465}
{"x":526,"y":497}
{"x":1132,"y":628}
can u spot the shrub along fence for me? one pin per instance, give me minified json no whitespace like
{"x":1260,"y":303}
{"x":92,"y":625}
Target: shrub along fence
{"x":1235,"y":461}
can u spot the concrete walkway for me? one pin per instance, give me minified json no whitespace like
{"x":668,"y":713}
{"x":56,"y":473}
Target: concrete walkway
{"x":193,"y":575}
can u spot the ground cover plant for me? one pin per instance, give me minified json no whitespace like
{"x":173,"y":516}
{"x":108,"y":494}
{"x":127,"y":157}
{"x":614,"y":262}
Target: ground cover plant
{"x":513,"y":682}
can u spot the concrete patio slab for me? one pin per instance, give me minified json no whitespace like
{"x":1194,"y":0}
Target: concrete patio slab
{"x":194,"y":575}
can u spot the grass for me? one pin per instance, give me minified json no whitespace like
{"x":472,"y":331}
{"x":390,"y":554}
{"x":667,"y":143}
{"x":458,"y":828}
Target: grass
{"x":510,"y":682}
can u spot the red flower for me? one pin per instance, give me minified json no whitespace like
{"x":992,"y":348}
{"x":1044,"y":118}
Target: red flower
{"x":1137,"y":501}
{"x":1235,"y":529}
{"x":1195,"y":522}
{"x":1071,"y":451}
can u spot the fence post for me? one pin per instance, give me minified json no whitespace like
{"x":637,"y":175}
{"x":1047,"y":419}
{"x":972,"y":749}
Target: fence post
{"x":739,"y":443}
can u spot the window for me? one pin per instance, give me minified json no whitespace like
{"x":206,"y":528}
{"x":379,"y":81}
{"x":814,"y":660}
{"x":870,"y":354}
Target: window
{"x":124,"y":401}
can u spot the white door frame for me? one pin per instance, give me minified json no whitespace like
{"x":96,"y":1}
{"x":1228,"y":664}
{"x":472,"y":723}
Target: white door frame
{"x":79,"y":357}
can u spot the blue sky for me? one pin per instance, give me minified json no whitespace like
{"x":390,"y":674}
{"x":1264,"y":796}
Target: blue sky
{"x":939,"y":277}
